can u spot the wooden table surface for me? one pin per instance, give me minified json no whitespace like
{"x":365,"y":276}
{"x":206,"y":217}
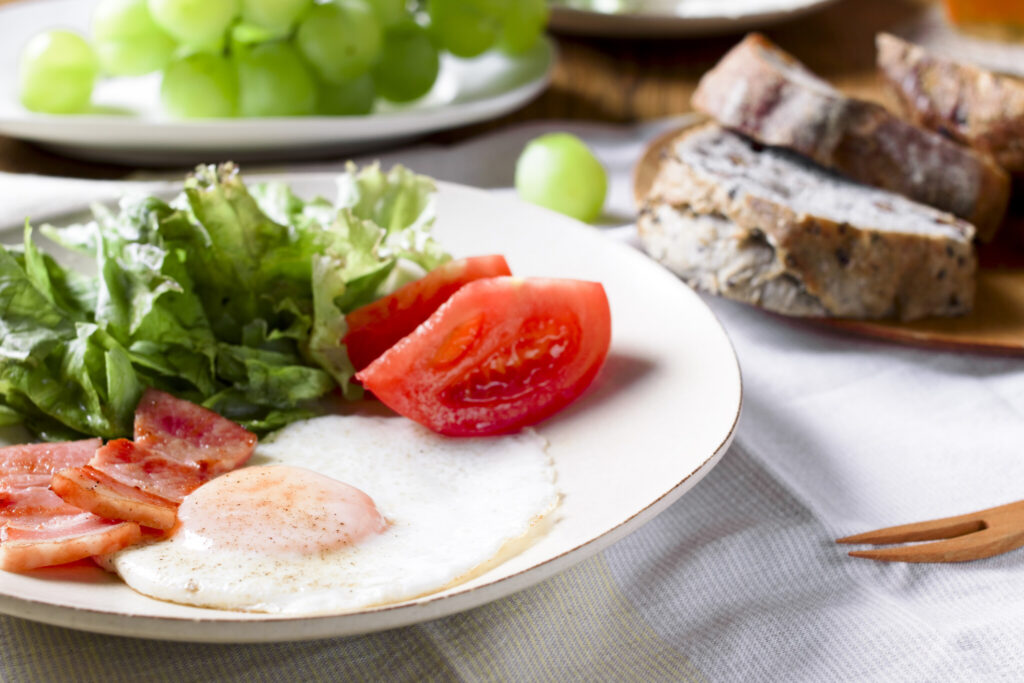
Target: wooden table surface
{"x":624,"y":81}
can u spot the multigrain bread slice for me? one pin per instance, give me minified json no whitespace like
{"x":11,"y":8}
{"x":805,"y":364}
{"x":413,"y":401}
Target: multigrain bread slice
{"x":763,"y":92}
{"x":764,"y":226}
{"x":975,"y":106}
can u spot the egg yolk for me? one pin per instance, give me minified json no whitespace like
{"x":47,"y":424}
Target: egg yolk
{"x":278,"y":510}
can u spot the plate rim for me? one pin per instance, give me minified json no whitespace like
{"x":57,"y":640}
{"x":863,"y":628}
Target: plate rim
{"x":582,"y":22}
{"x":389,"y":616}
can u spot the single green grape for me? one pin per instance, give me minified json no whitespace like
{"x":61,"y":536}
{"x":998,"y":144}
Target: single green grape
{"x":127,"y":40}
{"x":195,"y":23}
{"x":201,"y":85}
{"x":522,"y":26}
{"x":274,"y":81}
{"x":408,"y":65}
{"x":340,"y":39}
{"x":389,"y":12}
{"x":467,"y":28}
{"x":277,"y":16}
{"x":57,"y":73}
{"x":558,"y":171}
{"x":354,"y":98}
{"x":243,"y":35}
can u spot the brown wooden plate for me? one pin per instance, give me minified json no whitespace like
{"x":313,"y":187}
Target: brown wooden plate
{"x":995,"y":326}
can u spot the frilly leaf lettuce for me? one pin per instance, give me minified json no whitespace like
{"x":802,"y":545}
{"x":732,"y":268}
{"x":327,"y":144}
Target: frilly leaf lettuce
{"x":231,"y":296}
{"x":329,"y":324}
{"x":53,"y":361}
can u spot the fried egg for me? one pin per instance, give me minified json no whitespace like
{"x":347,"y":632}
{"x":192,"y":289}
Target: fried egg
{"x":340,"y":513}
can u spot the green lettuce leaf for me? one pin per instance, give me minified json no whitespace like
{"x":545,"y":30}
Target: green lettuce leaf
{"x":228,"y":295}
{"x":329,"y":325}
{"x":55,"y":368}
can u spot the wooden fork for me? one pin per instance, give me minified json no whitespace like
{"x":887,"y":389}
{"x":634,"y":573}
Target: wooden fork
{"x":973,"y":536}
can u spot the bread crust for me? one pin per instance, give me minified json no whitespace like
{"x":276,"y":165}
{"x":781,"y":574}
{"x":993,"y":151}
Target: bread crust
{"x":741,"y":240}
{"x":975,"y":106}
{"x":761,"y":91}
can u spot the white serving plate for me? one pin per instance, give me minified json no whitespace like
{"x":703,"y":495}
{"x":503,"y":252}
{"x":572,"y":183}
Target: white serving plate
{"x":467,"y":91}
{"x":675,"y":18}
{"x":659,"y":416}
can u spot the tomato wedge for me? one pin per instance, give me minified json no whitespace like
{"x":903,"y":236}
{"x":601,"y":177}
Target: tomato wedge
{"x":376,"y":327}
{"x":500,"y":354}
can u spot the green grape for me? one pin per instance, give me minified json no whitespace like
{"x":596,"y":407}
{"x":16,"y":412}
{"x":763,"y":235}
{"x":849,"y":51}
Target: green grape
{"x":389,"y":12}
{"x":277,"y":16}
{"x":340,"y":39}
{"x":558,"y":171}
{"x":243,"y":34}
{"x":274,"y":81}
{"x":354,"y":98}
{"x":195,"y":23}
{"x":467,"y":28}
{"x":408,"y":64}
{"x":128,"y":41}
{"x":201,"y":85}
{"x":522,"y":25}
{"x":57,"y":72}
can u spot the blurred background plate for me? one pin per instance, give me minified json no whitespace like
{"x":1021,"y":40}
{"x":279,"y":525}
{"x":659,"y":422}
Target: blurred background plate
{"x":668,"y":18}
{"x":130,"y":128}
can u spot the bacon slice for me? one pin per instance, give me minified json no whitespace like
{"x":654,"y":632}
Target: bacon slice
{"x":178,"y":447}
{"x":73,"y":538}
{"x":87,"y":487}
{"x":37,"y":527}
{"x":46,"y":458}
{"x":154,"y":472}
{"x":191,"y":433}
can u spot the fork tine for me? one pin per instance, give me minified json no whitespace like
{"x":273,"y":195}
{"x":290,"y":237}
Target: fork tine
{"x":932,"y":530}
{"x":974,"y":546}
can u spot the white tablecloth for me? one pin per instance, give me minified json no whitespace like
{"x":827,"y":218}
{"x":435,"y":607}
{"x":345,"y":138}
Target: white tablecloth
{"x":740,"y":579}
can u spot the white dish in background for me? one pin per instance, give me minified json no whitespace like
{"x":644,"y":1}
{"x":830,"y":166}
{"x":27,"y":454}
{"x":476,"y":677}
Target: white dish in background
{"x":467,"y":91}
{"x":673,"y":18}
{"x":658,"y":417}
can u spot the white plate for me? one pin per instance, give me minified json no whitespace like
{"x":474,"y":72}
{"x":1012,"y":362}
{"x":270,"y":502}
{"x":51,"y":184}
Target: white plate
{"x":668,"y":18}
{"x":658,"y":417}
{"x":467,"y":91}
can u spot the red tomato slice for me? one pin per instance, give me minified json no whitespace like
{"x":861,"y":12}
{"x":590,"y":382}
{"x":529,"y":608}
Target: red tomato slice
{"x":376,"y":327}
{"x":500,"y":354}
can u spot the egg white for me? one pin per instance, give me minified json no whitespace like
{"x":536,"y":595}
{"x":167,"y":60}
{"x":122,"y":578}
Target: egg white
{"x":451,"y":504}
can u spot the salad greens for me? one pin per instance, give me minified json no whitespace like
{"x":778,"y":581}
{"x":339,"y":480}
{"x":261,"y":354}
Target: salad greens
{"x":232,"y":297}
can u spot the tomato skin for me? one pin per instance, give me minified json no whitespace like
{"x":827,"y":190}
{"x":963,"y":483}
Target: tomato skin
{"x":500,"y":354}
{"x":376,"y":327}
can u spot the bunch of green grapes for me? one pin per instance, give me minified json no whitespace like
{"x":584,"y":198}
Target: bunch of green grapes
{"x":222,"y":58}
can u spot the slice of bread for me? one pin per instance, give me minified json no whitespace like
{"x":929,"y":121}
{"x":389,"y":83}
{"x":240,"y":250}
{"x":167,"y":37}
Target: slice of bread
{"x":972,"y":105}
{"x":767,"y":227}
{"x":761,"y":91}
